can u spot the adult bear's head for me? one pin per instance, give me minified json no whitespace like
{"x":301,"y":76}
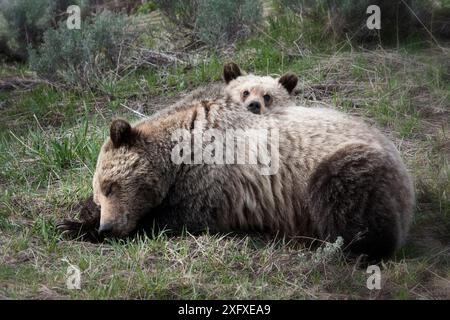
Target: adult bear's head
{"x":129,"y":180}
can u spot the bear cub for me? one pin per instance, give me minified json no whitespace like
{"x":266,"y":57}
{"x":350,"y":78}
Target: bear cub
{"x":258,"y":94}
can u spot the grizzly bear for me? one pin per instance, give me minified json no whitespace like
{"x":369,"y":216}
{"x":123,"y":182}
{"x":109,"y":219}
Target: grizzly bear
{"x":336,"y":177}
{"x":258,"y":94}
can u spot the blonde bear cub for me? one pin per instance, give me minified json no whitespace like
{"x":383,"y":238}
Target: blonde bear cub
{"x":258,"y":94}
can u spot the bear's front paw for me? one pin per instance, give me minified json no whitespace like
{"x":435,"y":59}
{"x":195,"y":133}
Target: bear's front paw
{"x":90,"y":212}
{"x":76,"y":230}
{"x":86,"y":229}
{"x":69,"y":229}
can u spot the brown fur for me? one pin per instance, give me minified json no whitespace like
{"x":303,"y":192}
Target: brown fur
{"x":231,"y":71}
{"x":86,"y":228}
{"x":236,"y":82}
{"x":337,"y":177}
{"x":288,"y":81}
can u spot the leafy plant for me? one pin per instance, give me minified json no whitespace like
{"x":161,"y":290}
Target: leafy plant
{"x":24,"y":23}
{"x":82,"y":57}
{"x":214,"y":22}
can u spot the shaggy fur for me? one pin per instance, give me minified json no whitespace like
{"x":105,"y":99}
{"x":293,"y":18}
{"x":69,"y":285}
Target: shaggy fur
{"x":258,"y":94}
{"x":264,"y":93}
{"x":337,"y":177}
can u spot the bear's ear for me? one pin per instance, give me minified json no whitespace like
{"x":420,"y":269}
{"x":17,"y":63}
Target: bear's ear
{"x":231,"y":71}
{"x":288,"y":81}
{"x":120,"y":133}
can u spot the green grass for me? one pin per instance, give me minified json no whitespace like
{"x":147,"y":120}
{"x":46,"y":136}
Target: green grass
{"x":163,"y":268}
{"x":36,"y":157}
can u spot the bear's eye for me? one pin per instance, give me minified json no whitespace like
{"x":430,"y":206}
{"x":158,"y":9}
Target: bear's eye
{"x":245,"y":94}
{"x":267,"y":98}
{"x":108,"y":190}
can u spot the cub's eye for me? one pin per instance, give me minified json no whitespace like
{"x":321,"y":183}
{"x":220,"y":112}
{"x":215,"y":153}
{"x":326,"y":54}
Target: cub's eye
{"x":245,"y":94}
{"x":267,"y":98}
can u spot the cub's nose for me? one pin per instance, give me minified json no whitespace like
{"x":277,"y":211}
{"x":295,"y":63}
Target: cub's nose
{"x":105,"y":229}
{"x":254,"y":107}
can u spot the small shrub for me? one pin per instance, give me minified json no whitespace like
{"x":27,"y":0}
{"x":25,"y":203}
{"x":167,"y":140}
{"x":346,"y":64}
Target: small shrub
{"x":214,"y":22}
{"x":347,"y":19}
{"x":180,"y":12}
{"x":82,"y":57}
{"x":24,"y":22}
{"x":220,"y":21}
{"x":146,"y":8}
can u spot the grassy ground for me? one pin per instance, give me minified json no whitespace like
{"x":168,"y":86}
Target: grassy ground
{"x":50,"y":137}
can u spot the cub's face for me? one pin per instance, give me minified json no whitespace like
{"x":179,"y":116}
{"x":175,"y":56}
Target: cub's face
{"x":258,"y":94}
{"x":126,"y":183}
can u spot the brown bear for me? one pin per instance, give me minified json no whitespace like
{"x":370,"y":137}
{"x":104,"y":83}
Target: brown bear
{"x":258,"y":94}
{"x":336,"y":177}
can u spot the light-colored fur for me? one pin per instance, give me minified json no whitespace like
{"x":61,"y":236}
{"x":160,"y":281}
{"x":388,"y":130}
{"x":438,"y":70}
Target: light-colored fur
{"x":337,"y":177}
{"x":258,"y":86}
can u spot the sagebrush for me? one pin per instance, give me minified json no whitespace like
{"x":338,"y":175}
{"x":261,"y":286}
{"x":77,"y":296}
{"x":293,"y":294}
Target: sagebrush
{"x":24,"y":23}
{"x":214,"y":22}
{"x":82,"y":57}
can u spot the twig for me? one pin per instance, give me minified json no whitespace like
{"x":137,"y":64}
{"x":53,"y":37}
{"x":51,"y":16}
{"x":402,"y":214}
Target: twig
{"x":134,"y":111}
{"x":423,"y":25}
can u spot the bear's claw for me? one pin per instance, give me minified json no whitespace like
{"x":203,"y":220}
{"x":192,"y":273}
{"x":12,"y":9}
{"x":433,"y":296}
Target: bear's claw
{"x":76,"y":230}
{"x":86,"y":229}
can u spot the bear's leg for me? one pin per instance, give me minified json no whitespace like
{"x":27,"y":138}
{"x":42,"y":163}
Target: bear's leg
{"x":353,"y":194}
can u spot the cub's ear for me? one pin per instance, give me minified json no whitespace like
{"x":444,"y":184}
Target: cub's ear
{"x":121,"y":133}
{"x":288,"y":81}
{"x":231,"y":71}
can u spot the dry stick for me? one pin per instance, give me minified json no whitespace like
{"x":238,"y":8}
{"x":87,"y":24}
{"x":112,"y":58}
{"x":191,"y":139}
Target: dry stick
{"x":116,"y":75}
{"x":134,"y":111}
{"x":34,"y":115}
{"x":22,"y":83}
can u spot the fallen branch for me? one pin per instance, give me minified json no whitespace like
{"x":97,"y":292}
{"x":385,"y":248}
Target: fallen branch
{"x":156,"y":59}
{"x":20,"y":83}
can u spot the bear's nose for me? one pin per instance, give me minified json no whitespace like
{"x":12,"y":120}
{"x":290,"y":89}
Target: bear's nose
{"x":254,"y":107}
{"x":105,"y":229}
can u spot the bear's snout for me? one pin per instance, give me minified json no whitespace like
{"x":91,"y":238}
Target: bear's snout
{"x":114,"y":223}
{"x":105,"y":229}
{"x":254,"y":106}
